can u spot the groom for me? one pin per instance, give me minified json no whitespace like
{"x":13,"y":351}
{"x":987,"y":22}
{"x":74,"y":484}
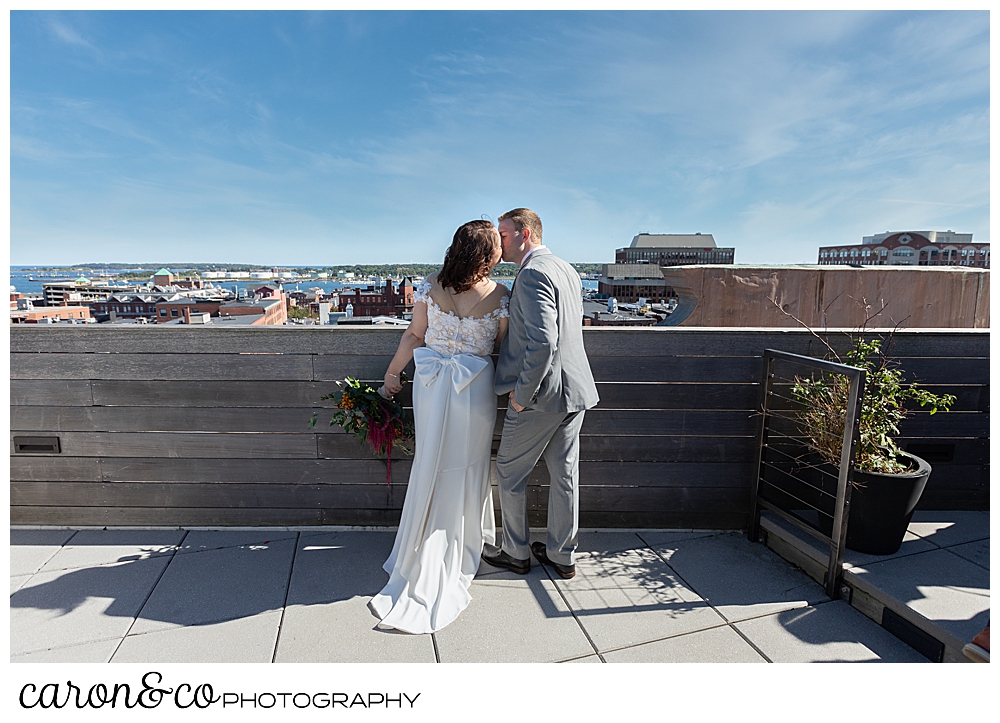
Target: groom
{"x":544,"y":372}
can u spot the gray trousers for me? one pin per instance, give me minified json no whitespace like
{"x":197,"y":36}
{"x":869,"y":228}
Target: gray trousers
{"x":527,"y":436}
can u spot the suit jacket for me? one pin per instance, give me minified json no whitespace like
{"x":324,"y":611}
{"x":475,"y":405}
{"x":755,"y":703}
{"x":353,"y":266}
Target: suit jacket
{"x":542,"y":358}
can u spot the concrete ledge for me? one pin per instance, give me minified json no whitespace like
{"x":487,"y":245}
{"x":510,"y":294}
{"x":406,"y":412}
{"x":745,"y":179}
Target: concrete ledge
{"x":918,"y":565}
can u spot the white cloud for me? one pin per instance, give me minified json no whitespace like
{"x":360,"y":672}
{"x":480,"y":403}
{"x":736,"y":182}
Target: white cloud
{"x":38,"y":150}
{"x":68,"y":35}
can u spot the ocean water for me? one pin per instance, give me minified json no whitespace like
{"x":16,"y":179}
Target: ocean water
{"x":19,"y":279}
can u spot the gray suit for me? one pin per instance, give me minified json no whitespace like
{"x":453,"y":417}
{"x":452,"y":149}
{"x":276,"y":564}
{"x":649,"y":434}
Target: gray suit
{"x":543,"y":361}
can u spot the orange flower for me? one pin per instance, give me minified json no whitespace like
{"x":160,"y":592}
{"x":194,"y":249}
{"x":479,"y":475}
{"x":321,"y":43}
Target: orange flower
{"x":346,"y":402}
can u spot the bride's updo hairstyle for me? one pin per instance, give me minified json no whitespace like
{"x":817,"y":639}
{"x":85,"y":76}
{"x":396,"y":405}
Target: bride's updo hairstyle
{"x":467,"y":260}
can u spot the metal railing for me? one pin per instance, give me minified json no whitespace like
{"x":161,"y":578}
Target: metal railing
{"x":791,"y":480}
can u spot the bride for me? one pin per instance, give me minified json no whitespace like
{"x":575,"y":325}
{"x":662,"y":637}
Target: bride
{"x":458,"y":315}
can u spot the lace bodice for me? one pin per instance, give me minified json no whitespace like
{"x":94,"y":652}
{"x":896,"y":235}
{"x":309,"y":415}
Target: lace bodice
{"x":450,"y":334}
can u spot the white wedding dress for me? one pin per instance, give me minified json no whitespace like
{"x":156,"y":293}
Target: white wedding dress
{"x":448,"y":510}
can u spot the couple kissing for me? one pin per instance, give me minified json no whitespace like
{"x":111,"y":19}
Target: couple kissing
{"x":447,"y":526}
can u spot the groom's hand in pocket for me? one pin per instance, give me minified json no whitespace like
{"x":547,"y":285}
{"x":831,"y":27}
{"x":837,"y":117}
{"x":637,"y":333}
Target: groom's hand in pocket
{"x":517,"y":407}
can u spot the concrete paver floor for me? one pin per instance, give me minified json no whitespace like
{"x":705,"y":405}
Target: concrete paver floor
{"x":301,"y":596}
{"x":934,"y":591}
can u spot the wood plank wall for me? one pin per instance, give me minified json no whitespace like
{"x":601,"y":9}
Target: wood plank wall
{"x":192,"y":426}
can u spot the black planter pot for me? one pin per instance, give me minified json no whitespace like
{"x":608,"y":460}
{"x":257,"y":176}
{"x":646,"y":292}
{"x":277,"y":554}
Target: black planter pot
{"x":882,"y":505}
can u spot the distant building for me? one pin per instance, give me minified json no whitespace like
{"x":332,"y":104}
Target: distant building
{"x":19,"y":301}
{"x":910,"y":248}
{"x":636,"y":271}
{"x":374,"y":301}
{"x":179,"y":307}
{"x":595,"y":314}
{"x":161,"y":305}
{"x":311,"y":299}
{"x":50,"y":314}
{"x":372,"y":321}
{"x":630,"y":282}
{"x":163,"y":277}
{"x":270,"y":312}
{"x":674,"y":249}
{"x":127,"y":306}
{"x":57,"y":293}
{"x":268,"y":291}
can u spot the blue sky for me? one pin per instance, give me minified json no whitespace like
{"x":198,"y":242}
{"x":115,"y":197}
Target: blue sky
{"x":354,"y":137}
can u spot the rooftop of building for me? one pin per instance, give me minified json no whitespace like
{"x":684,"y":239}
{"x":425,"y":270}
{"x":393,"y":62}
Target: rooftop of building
{"x":83,"y":281}
{"x":47,"y":309}
{"x":227,"y":320}
{"x":372,"y":320}
{"x":246,"y":303}
{"x":119,"y":321}
{"x":672,"y":240}
{"x":236,"y":320}
{"x":591,"y":307}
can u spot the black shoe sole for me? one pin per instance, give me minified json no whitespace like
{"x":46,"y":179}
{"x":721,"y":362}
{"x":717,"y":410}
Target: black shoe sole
{"x":544,"y":560}
{"x":497,"y":563}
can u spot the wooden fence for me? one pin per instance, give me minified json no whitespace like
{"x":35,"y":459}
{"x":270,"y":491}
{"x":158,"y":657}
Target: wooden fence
{"x":202,"y":426}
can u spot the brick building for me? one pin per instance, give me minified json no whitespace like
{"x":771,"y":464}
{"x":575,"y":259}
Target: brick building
{"x":179,"y":306}
{"x":160,"y":307}
{"x":385,"y":301}
{"x":268,"y":291}
{"x":271,"y":312}
{"x":127,"y":306}
{"x":163,"y":277}
{"x":41,"y":315}
{"x":910,"y":248}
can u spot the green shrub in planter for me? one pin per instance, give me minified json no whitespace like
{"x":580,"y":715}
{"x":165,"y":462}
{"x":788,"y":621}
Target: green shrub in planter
{"x":824,"y":400}
{"x":887,"y":482}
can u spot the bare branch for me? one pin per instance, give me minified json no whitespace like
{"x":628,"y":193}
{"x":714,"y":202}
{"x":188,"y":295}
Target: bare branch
{"x":807,"y":328}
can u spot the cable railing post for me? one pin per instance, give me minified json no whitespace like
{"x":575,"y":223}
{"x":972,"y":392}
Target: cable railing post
{"x":753,"y":529}
{"x":848,"y":450}
{"x":779,"y":495}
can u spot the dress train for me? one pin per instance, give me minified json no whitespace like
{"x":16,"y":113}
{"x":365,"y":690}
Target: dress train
{"x":448,"y":511}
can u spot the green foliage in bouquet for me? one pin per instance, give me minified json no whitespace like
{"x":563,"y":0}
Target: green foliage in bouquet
{"x":363,"y":412}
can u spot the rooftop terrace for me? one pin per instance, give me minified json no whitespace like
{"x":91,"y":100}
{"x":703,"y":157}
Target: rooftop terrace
{"x":300,"y":595}
{"x":188,"y":428}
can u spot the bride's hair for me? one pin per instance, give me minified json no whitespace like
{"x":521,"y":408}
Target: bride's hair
{"x":467,"y":260}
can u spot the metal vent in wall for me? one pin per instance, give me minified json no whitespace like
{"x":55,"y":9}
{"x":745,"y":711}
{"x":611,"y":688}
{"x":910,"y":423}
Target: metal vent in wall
{"x":36,"y":445}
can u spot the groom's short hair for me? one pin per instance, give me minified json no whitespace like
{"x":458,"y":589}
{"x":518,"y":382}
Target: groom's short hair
{"x":524,"y":217}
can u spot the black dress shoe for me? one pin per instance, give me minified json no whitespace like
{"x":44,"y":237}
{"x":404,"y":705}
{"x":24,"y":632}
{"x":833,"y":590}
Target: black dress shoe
{"x":565,"y":571}
{"x":493,"y":555}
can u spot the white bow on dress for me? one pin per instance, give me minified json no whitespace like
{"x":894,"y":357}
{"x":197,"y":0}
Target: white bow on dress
{"x":465,"y":367}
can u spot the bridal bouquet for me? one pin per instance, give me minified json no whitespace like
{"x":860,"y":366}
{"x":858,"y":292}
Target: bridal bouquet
{"x":371,"y":417}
